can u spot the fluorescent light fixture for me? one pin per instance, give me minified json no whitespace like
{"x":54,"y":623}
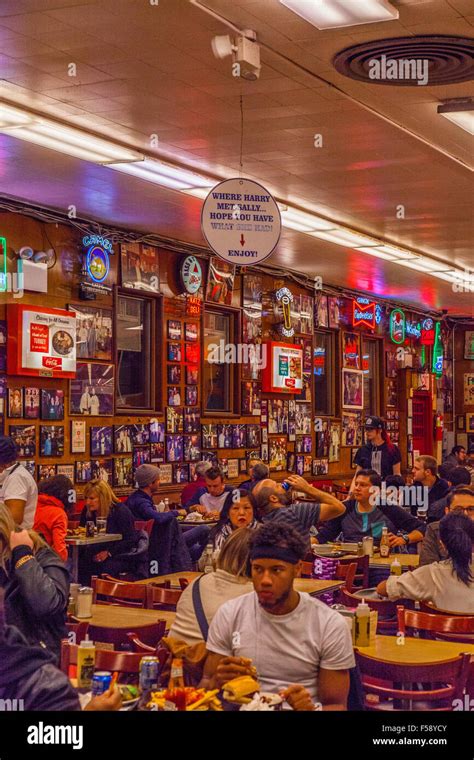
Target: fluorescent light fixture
{"x":310,"y":221}
{"x":344,"y":237}
{"x":65,"y":139}
{"x":155,"y":171}
{"x":460,"y":112}
{"x":198,"y":192}
{"x":332,"y":14}
{"x":425,"y":264}
{"x":395,"y":252}
{"x":376,"y":251}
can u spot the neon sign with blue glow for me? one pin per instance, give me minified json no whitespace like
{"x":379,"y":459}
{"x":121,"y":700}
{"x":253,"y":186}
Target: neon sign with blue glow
{"x":97,"y":257}
{"x":3,"y":270}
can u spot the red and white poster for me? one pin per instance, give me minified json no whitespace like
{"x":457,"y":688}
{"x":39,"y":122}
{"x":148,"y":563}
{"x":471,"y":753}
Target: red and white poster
{"x":284,"y":369}
{"x":41,"y":341}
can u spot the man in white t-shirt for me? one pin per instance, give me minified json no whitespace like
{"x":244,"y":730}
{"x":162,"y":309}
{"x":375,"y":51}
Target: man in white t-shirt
{"x":18,"y":490}
{"x":301,"y":649}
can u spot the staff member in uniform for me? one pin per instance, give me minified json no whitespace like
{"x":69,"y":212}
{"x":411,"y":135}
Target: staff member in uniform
{"x":18,"y":490}
{"x":379,"y":453}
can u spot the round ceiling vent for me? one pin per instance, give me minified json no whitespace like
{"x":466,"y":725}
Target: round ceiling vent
{"x":407,"y":61}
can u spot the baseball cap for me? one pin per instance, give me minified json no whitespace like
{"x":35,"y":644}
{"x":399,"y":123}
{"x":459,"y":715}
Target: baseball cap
{"x":372,"y":423}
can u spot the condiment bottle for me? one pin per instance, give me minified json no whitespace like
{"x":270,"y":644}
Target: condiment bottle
{"x":362,"y":625}
{"x":395,"y":567}
{"x":85,"y":663}
{"x":84,"y":603}
{"x":384,"y":543}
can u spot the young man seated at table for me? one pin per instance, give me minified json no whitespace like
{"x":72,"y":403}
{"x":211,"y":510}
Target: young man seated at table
{"x":272,"y":503}
{"x":300,"y":648}
{"x":427,"y":481}
{"x":457,"y":476}
{"x":212,"y":496}
{"x":460,"y":499}
{"x":191,"y":489}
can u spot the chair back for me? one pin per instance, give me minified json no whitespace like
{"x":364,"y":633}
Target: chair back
{"x":105,"y":659}
{"x":146,"y":525}
{"x":386,"y":611}
{"x":118,"y":593}
{"x":432,"y":610}
{"x":150,"y":634}
{"x":306,"y":570}
{"x":183,"y":582}
{"x":146,"y":641}
{"x":361,"y":579}
{"x":346,"y":572}
{"x":158,"y":598}
{"x":79,"y":629}
{"x":455,"y":628}
{"x":442,"y":683}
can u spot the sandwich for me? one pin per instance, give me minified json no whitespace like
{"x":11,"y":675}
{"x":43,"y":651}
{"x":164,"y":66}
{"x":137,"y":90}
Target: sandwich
{"x":240,"y":689}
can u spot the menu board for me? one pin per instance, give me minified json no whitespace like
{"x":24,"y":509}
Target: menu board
{"x":284,"y":369}
{"x":43,"y":341}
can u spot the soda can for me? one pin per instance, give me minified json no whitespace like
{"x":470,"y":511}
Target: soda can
{"x":101,"y":681}
{"x":149,"y":667}
{"x":286,"y":485}
{"x":368,"y":545}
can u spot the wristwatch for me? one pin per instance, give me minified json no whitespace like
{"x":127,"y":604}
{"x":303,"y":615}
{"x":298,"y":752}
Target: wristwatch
{"x":406,"y":538}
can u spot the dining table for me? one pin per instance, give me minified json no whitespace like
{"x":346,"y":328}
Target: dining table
{"x":78,"y":542}
{"x":408,"y":650}
{"x":118,"y":616}
{"x":407,"y":561}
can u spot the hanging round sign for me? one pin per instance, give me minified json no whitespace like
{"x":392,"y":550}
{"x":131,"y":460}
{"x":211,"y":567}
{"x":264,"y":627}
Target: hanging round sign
{"x":241,"y":221}
{"x":191,"y":274}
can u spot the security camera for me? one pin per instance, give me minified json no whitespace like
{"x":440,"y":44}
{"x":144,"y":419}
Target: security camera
{"x":245,"y":53}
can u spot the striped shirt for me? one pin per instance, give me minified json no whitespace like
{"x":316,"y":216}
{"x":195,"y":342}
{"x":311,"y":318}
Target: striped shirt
{"x":302,"y":516}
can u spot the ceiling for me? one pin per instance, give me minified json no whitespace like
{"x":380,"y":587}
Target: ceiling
{"x":148,"y":69}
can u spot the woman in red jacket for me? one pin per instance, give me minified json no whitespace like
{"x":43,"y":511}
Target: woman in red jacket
{"x":56,"y":497}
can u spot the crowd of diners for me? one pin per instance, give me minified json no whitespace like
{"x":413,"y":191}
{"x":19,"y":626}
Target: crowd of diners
{"x":249,"y":612}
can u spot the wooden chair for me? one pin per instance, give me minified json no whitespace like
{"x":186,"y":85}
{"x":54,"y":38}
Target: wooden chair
{"x":306,"y":570}
{"x":146,"y":525}
{"x":361,"y":579}
{"x":455,"y":628}
{"x":387,"y":622}
{"x":162,"y":598}
{"x":79,"y":629}
{"x":105,"y":659}
{"x":146,"y":642}
{"x":346,"y":572}
{"x":183,"y":582}
{"x":443,"y":682}
{"x":107,"y":577}
{"x":432,"y":610}
{"x":149,"y":634}
{"x":117,"y":593}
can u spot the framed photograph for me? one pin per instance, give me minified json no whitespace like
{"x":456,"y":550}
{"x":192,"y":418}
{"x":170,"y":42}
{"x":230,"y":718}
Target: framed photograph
{"x":140,"y":434}
{"x":303,"y":418}
{"x":252,"y":290}
{"x":351,"y":350}
{"x":191,"y":354}
{"x":52,"y":405}
{"x":253,"y":435}
{"x":299,"y":464}
{"x":46,"y":471}
{"x":141,"y":455}
{"x":299,"y":444}
{"x":220,"y":281}
{"x":391,"y":364}
{"x":209,"y":436}
{"x":224,"y":436}
{"x":181,"y":473}
{"x":174,"y":448}
{"x":123,"y":472}
{"x":264,"y":410}
{"x":123,"y":439}
{"x":175,"y":353}
{"x":277,"y":453}
{"x":174,"y":420}
{"x":157,"y":452}
{"x":305,"y":394}
{"x":334,"y":441}
{"x":94,"y":330}
{"x":140,"y":267}
{"x":174,"y":373}
{"x":320,"y":466}
{"x":306,"y":314}
{"x":264,"y":452}
{"x":3,"y":346}
{"x":242,"y":465}
{"x":78,"y":437}
{"x":191,"y":395}
{"x":460,"y":422}
{"x":251,"y":392}
{"x":278,"y":416}
{"x":210,"y":456}
{"x":166,"y":474}
{"x":264,"y":434}
{"x":469,"y":345}
{"x":232,"y":469}
{"x":321,"y":317}
{"x":353,"y":456}
{"x":15,"y":403}
{"x":468,"y":388}
{"x":157,"y":431}
{"x":92,"y":391}
{"x":175,"y":331}
{"x":192,"y":420}
{"x":191,"y":332}
{"x":334,"y":312}
{"x":30,"y":465}
{"x":24,"y":438}
{"x":392,"y":391}
{"x":51,"y":440}
{"x":102,"y":441}
{"x":353,"y":389}
{"x":174,"y":396}
{"x":102,"y":469}
{"x":192,"y":376}
{"x":83,"y":472}
{"x":67,"y":470}
{"x":239,"y":436}
{"x":290,"y":461}
{"x":32,"y":403}
{"x":307,"y":462}
{"x":192,"y":448}
{"x":470,"y":423}
{"x":351,"y":429}
{"x":322,"y":438}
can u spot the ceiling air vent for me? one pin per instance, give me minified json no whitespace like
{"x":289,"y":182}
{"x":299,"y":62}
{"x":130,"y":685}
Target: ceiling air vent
{"x":408,"y":61}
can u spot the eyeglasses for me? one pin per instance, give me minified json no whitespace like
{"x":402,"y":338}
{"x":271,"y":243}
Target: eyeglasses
{"x":469,"y":510}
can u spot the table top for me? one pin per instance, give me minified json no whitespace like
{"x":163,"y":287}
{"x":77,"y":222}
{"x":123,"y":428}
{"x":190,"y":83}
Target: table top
{"x":406,"y":560}
{"x":414,"y":651}
{"x":100,"y":538}
{"x":310,"y":585}
{"x":115,"y":616}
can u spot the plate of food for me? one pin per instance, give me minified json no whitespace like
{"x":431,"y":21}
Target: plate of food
{"x":187,"y":698}
{"x":76,"y":532}
{"x":130,"y":696}
{"x":63,"y":342}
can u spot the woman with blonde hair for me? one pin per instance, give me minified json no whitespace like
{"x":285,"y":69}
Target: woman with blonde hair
{"x":36,"y":585}
{"x":200,"y":601}
{"x":116,"y":557}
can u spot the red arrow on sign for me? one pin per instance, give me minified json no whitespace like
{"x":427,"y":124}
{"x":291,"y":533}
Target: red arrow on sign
{"x":242,"y":240}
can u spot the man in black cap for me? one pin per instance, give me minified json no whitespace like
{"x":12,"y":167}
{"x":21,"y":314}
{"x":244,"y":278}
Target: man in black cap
{"x":18,"y":490}
{"x":379,"y":453}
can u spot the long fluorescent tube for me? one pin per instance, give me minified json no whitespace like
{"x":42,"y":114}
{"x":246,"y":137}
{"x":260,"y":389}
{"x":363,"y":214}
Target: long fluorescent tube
{"x":163,"y":174}
{"x":332,"y":14}
{"x":343,"y":237}
{"x":394,"y":252}
{"x":291,"y":217}
{"x":460,"y":113}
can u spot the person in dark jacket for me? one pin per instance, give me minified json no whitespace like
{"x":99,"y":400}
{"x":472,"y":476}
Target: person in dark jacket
{"x":457,"y":476}
{"x":460,"y":499}
{"x":30,"y":680}
{"x":116,"y":557}
{"x":200,"y":482}
{"x":426,"y":479}
{"x":36,"y":585}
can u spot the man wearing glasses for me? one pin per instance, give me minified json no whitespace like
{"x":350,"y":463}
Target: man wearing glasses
{"x":460,"y":499}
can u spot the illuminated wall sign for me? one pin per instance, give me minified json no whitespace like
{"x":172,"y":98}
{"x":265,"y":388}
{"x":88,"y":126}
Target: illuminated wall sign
{"x":285,"y":297}
{"x":363,"y":313}
{"x":283,"y":372}
{"x":413,"y":329}
{"x":3,"y":265}
{"x":193,"y":306}
{"x":96,"y":266}
{"x":428,"y":332}
{"x":397,"y":326}
{"x":44,"y":341}
{"x":378,"y":314}
{"x":437,"y":366}
{"x":191,"y":274}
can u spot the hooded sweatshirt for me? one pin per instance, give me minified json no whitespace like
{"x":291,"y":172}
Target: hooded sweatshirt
{"x":51,"y":523}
